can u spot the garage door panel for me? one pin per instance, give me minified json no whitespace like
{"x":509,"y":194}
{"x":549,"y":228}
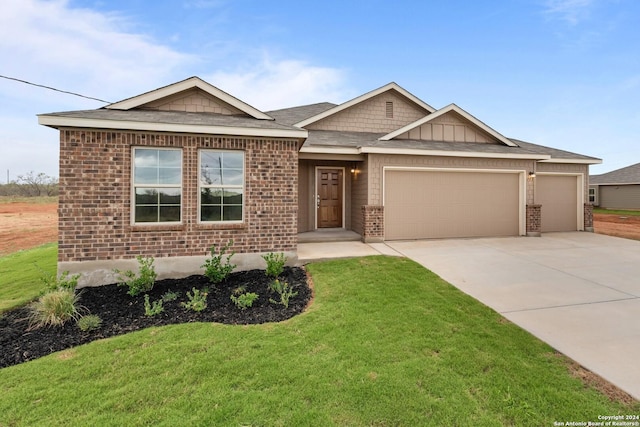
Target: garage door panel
{"x":438,"y":204}
{"x":558,"y":197}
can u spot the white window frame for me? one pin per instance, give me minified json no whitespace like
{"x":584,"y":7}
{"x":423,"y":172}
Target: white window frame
{"x":174,"y":186}
{"x":222,"y":186}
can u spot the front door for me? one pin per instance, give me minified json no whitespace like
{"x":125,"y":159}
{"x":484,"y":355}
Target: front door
{"x":329,"y":198}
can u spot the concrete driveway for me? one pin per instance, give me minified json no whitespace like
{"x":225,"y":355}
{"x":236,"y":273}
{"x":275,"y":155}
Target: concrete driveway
{"x":579,"y":292}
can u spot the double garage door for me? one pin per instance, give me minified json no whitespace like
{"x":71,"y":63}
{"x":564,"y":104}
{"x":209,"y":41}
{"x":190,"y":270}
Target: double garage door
{"x":425,"y":204}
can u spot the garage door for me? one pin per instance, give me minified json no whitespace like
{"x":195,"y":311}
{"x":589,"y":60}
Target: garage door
{"x":438,"y":204}
{"x":558,"y":197}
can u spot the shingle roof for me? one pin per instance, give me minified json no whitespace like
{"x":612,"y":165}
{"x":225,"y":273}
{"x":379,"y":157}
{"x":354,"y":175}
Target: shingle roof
{"x":289,"y":116}
{"x":553,"y":152}
{"x":626,"y":175}
{"x":174,"y":117}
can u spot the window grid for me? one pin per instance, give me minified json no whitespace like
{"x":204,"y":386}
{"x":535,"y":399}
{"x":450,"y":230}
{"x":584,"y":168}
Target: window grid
{"x":221,"y":182}
{"x":157,"y":185}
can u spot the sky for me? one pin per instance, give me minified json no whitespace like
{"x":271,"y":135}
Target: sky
{"x":559,"y":73}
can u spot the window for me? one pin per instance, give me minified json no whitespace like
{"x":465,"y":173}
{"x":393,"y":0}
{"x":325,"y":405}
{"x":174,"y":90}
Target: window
{"x":221,"y":186}
{"x":157,"y":185}
{"x":592,"y":195}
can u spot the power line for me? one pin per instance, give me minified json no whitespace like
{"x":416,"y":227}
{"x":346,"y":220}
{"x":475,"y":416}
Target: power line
{"x":54,"y":89}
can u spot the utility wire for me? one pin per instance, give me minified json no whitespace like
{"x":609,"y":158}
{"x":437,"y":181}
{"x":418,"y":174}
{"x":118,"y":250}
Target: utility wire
{"x":54,"y":89}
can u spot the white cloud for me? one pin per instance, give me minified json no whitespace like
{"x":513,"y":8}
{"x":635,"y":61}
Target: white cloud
{"x":271,"y":84}
{"x":570,"y":11}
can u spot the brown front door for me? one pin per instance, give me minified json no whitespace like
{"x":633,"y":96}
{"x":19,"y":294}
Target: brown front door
{"x":329,"y":198}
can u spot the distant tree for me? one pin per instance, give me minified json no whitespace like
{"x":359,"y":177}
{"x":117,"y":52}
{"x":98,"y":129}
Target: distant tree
{"x":38,"y":185}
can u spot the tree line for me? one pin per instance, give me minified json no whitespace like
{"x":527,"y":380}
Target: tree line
{"x":31,"y":185}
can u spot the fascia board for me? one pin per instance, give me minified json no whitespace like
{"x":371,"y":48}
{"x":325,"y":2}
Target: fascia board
{"x":614,"y":183}
{"x":442,"y":153}
{"x":193,"y":82}
{"x":70,"y":122}
{"x":443,"y":111}
{"x":574,"y":161}
{"x":330,"y":150}
{"x":362,"y":98}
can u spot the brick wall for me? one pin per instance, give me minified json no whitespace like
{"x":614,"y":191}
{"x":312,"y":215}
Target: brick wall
{"x":534,"y":220}
{"x":588,"y":217}
{"x":95,"y":197}
{"x":373,"y":223}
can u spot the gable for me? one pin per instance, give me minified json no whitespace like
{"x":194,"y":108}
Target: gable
{"x":384,"y":112}
{"x":193,"y":101}
{"x":450,"y":127}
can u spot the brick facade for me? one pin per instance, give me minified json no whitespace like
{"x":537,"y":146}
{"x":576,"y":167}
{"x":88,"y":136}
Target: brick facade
{"x":534,"y":220}
{"x":588,"y":217}
{"x":95,"y":197}
{"x":373,"y":223}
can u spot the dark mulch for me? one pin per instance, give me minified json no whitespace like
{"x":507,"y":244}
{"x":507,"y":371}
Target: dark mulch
{"x":122,"y":313}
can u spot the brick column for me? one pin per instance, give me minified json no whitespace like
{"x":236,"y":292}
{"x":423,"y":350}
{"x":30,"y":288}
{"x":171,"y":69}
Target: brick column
{"x":372,"y":224}
{"x":534,"y":220}
{"x":588,"y":217}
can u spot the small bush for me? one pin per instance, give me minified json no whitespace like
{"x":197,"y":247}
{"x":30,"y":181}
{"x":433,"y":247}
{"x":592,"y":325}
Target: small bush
{"x":284,"y":290}
{"x":216,"y":268}
{"x":54,"y":308}
{"x":170,"y":296}
{"x":63,"y":281}
{"x":151,"y":309}
{"x":245,"y":300}
{"x":197,"y":301}
{"x":141,"y":282}
{"x":89,"y":322}
{"x":275,"y":264}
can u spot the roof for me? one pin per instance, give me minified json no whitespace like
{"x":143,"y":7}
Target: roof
{"x":190,"y":83}
{"x":323,"y":141}
{"x":171,"y":121}
{"x":289,"y":116}
{"x":626,"y":175}
{"x":390,"y":86}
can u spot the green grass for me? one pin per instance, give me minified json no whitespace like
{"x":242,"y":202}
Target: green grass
{"x":616,"y":212}
{"x":21,"y":273}
{"x":385,"y":342}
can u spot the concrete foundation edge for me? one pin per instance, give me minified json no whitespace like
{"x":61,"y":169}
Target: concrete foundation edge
{"x":98,"y":273}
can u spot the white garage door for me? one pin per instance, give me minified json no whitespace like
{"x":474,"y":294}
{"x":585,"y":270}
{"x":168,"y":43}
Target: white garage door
{"x":558,"y":197}
{"x":438,"y":204}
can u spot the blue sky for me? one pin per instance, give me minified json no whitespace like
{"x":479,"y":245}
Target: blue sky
{"x":561,"y":73}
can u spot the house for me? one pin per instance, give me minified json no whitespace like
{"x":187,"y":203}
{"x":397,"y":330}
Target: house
{"x":171,"y":172}
{"x":618,"y":189}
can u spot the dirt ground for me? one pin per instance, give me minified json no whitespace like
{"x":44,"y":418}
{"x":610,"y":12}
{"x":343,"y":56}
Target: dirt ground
{"x":27,"y":225}
{"x":617,"y":225}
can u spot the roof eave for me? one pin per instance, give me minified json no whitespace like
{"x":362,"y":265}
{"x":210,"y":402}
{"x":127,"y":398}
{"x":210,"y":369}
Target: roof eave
{"x":76,"y":122}
{"x":573,"y":161}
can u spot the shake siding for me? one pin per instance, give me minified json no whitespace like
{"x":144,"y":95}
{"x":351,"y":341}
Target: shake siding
{"x":193,"y":101}
{"x":95,"y":199}
{"x":358,"y":196}
{"x":371,"y":115}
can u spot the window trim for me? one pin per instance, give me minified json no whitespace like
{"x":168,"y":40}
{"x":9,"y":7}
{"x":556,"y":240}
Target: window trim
{"x":243,"y":186}
{"x":134,"y":186}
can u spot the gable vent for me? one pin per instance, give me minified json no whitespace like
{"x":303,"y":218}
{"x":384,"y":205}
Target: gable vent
{"x":389,"y":109}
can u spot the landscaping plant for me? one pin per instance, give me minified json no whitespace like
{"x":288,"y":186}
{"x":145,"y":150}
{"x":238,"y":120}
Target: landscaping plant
{"x":217,"y":268}
{"x":141,"y":282}
{"x":54,"y":308}
{"x":244,"y":300}
{"x":89,"y":322}
{"x":151,"y":309}
{"x":284,"y":290}
{"x":275,"y":264}
{"x":197,"y":301}
{"x":63,"y":281}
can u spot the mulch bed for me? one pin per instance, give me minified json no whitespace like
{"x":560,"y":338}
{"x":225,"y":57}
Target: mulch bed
{"x":122,"y":313}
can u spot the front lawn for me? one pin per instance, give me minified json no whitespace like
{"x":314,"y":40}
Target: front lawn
{"x":615,"y":212}
{"x":385,"y":342}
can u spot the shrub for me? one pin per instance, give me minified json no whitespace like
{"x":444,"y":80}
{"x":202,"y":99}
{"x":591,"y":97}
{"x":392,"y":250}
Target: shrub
{"x":217,"y":269}
{"x":151,"y":309}
{"x":197,"y":301}
{"x":63,"y":281}
{"x":170,"y":296}
{"x":275,"y":264}
{"x":141,"y":282}
{"x":89,"y":322}
{"x":245,"y":300}
{"x":54,"y":308}
{"x":284,"y":290}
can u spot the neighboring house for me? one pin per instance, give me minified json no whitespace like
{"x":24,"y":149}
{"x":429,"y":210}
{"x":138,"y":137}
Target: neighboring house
{"x":618,"y":189}
{"x":173,"y":171}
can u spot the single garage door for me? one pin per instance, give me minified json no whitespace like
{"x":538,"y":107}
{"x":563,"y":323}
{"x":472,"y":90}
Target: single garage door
{"x":438,"y":204}
{"x":558,"y":197}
